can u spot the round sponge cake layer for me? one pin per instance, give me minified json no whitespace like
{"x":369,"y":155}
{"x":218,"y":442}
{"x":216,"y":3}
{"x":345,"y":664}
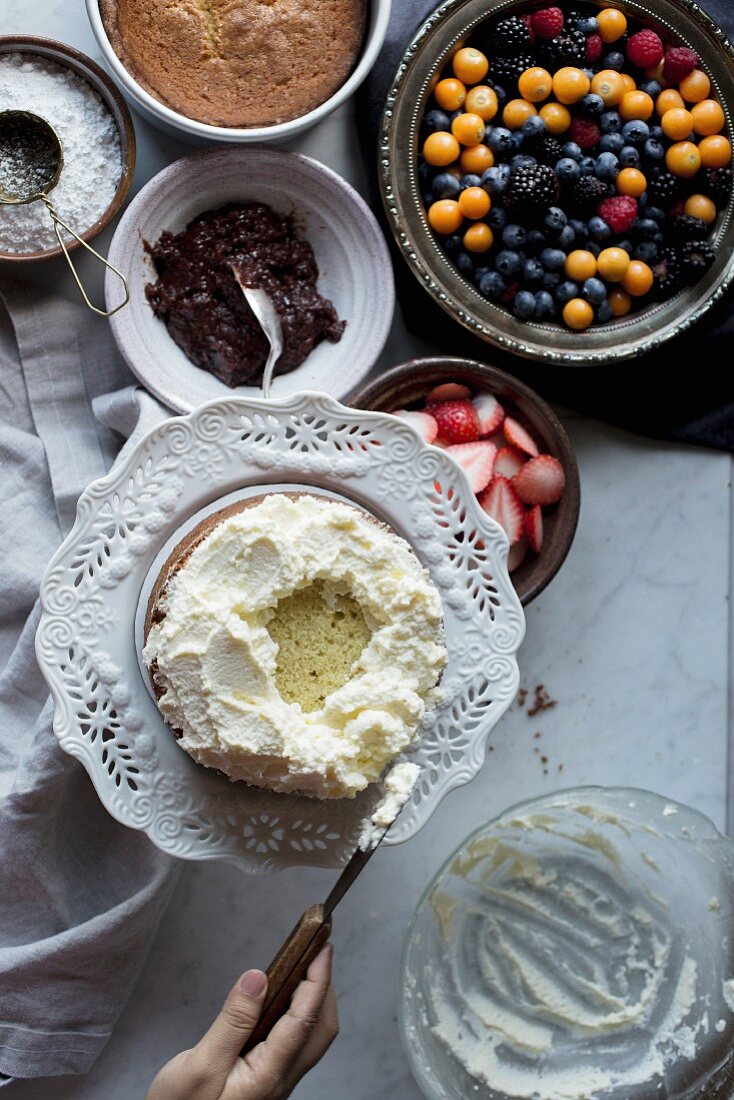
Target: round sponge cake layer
{"x":238,"y":63}
{"x":294,"y":642}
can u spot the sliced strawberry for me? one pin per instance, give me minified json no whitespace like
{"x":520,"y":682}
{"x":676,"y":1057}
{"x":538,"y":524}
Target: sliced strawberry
{"x":534,"y":527}
{"x":501,"y":502}
{"x":490,"y":413}
{"x":509,"y":461}
{"x":423,"y":423}
{"x":457,"y":421}
{"x":517,"y":555}
{"x":477,"y":461}
{"x":541,"y":480}
{"x":448,"y":391}
{"x":516,"y":435}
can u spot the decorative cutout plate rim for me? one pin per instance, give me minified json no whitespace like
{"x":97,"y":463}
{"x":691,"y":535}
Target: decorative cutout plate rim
{"x":85,"y":644}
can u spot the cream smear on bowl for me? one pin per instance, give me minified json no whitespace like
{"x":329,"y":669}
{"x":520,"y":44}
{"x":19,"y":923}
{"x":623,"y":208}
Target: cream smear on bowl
{"x":90,"y":144}
{"x":570,"y":951}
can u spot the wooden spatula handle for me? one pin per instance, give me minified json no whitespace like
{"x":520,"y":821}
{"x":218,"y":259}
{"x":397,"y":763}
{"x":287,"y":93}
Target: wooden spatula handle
{"x":288,"y":969}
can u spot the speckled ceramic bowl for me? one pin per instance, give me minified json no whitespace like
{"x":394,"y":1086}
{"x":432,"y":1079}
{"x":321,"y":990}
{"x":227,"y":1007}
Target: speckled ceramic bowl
{"x":407,"y":384}
{"x":448,"y":28}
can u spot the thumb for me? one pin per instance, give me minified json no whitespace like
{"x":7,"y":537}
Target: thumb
{"x":240,"y":1012}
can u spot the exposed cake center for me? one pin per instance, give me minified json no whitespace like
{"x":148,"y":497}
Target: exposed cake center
{"x":320,"y":636}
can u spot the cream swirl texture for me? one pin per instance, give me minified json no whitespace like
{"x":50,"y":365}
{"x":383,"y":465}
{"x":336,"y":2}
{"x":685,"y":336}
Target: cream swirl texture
{"x":214,"y":660}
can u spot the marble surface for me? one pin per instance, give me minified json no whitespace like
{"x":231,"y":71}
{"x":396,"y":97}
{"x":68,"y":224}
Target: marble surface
{"x":632,"y":641}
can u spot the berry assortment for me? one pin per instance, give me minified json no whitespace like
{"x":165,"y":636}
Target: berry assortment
{"x":513,"y":481}
{"x":573,"y":166}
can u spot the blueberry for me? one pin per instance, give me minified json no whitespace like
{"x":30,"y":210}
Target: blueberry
{"x":651,"y":88}
{"x":613,"y":60}
{"x":589,"y":73}
{"x":579,"y":227}
{"x":497,"y":219}
{"x":499,"y":140}
{"x":480,"y":272}
{"x":588,"y":25}
{"x":428,"y":199}
{"x":592,"y":105}
{"x":552,"y":259}
{"x":492,"y":286}
{"x":567,"y":169}
{"x":514,"y":236}
{"x":587,"y":166}
{"x":647,"y":251}
{"x":495,"y":179}
{"x":654,"y":150}
{"x":533,"y":127}
{"x":607,"y":167}
{"x":656,"y":132}
{"x":599,"y":229}
{"x":453,"y":115}
{"x":551,"y":279}
{"x":452,"y":245}
{"x":508,"y":263}
{"x":566,"y":290}
{"x":532,"y":272}
{"x":470,"y":180}
{"x":499,"y":91}
{"x":572,"y":150}
{"x":465,"y":264}
{"x":642,"y":200}
{"x":629,"y":157}
{"x":635,"y":132}
{"x":523,"y":305}
{"x":544,"y":304}
{"x":535,"y":241}
{"x":603,"y":312}
{"x":594,"y":291}
{"x":446,"y":186}
{"x":646,"y":229}
{"x":522,"y":160}
{"x":425,"y":176}
{"x":433,"y":121}
{"x":611,"y":143}
{"x":555,"y":219}
{"x":593,"y":247}
{"x":518,"y":140}
{"x":610,"y":122}
{"x":655,"y":213}
{"x":566,"y":238}
{"x":626,"y":245}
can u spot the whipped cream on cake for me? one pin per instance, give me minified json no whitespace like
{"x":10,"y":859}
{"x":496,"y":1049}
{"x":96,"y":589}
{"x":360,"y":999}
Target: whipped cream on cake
{"x":214,"y":660}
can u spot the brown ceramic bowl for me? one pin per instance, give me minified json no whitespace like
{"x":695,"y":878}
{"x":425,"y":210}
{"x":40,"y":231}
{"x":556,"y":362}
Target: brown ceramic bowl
{"x":407,"y":384}
{"x":110,"y":96}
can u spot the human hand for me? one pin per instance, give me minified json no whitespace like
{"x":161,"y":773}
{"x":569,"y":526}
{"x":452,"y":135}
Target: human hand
{"x":214,"y":1070}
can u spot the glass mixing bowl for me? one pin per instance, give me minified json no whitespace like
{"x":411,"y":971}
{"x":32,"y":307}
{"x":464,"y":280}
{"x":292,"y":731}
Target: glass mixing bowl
{"x":578,"y":947}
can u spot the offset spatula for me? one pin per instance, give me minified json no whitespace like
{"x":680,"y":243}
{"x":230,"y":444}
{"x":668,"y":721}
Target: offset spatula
{"x":289,"y":966}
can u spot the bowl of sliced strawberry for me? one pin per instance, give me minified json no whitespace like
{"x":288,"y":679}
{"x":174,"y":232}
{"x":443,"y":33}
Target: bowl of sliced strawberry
{"x":515,"y":452}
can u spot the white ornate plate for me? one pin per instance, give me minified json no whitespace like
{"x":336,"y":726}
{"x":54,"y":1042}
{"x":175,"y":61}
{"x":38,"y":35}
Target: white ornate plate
{"x":95,"y":588}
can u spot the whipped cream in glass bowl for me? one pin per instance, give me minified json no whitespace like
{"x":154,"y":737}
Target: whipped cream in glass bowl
{"x":578,"y":947}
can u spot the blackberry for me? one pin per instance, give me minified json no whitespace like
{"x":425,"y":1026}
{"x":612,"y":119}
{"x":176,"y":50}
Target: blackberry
{"x":664,"y":188}
{"x":507,"y":70}
{"x":683,"y":228}
{"x":549,"y":151}
{"x":572,"y":19}
{"x":696,"y":258}
{"x":719,"y":184}
{"x":567,"y":48}
{"x":531,"y":191}
{"x":509,"y":37}
{"x":589,"y":191}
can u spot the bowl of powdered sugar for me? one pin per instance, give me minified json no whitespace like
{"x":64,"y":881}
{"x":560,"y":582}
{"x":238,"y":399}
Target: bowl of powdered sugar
{"x":83,"y":106}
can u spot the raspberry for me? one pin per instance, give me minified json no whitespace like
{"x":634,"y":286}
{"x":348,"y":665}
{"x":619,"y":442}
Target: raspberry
{"x":645,"y":49}
{"x":585,"y":132}
{"x":528,"y":21}
{"x":594,"y":47}
{"x":548,"y":22}
{"x":619,"y":212}
{"x":679,"y":62}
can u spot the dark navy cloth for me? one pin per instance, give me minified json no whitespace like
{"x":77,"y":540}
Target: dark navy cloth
{"x":683,"y":392}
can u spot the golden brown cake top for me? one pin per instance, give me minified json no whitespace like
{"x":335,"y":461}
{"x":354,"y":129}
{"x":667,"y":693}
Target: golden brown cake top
{"x":237,"y":63}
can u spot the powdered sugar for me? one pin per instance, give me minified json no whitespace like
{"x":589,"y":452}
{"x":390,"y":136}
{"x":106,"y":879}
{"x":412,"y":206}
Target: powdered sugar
{"x":90,"y":143}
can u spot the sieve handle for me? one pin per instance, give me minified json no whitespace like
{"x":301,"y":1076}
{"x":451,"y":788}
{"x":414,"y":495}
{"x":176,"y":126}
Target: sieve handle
{"x":58,"y":223}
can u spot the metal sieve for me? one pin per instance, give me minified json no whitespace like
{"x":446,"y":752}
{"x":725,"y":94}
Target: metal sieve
{"x":31,"y":162}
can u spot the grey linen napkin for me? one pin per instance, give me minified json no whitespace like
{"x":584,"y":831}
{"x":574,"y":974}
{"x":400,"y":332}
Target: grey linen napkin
{"x":80,"y":895}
